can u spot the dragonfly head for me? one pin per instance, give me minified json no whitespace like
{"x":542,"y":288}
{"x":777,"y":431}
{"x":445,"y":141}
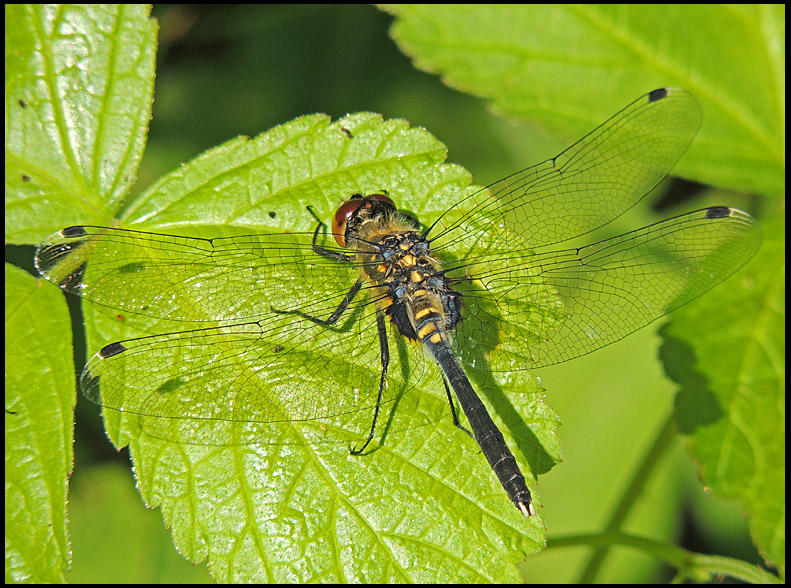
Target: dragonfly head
{"x":357,"y":209}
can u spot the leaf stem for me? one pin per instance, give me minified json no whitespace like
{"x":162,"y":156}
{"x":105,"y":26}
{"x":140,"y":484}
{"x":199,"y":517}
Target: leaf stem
{"x":696,"y":566}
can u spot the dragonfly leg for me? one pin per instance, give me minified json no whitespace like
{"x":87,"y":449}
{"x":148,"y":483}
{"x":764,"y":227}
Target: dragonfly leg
{"x":385,"y":355}
{"x":336,"y":314}
{"x":323,"y":251}
{"x":453,"y":409}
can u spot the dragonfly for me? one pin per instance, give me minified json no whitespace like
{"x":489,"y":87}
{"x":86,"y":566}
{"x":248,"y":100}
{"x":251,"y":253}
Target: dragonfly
{"x":293,"y":326}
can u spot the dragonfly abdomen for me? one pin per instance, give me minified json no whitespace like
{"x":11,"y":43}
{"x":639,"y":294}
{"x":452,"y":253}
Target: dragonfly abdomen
{"x":486,"y":433}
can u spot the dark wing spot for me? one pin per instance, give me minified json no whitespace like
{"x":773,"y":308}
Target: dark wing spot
{"x":657,"y":94}
{"x":718,"y":212}
{"x":73,"y":232}
{"x":111,"y":349}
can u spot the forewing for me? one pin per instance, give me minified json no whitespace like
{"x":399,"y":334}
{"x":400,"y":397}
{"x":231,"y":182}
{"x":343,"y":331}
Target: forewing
{"x":528,"y":310}
{"x":192,"y":279}
{"x":583,"y":188}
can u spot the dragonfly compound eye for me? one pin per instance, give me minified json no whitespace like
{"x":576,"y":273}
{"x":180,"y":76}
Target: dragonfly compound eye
{"x":349,"y":208}
{"x":342,"y":216}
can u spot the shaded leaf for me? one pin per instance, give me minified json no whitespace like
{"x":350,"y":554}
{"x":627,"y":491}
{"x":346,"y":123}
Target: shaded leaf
{"x":727,"y":352}
{"x":563,"y":66}
{"x":114,"y":535}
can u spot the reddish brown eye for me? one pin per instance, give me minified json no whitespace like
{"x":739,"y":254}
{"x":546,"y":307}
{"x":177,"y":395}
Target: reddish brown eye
{"x":348,"y":208}
{"x":381,"y":198}
{"x":342,"y":215}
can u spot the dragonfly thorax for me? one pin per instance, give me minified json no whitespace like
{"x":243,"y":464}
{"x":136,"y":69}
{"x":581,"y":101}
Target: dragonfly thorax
{"x":411,"y":283}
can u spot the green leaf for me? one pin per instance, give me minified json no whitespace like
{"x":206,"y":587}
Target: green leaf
{"x":39,"y":397}
{"x":306,"y":161}
{"x":424,"y":499}
{"x":727,"y":351}
{"x":564,"y":67}
{"x":79,"y":87}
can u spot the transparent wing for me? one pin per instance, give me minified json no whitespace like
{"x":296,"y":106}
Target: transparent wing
{"x":192,"y":279}
{"x":526,"y":310}
{"x":280,"y":367}
{"x":585,"y":187}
